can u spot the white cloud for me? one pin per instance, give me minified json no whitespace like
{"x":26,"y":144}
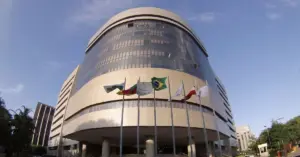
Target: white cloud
{"x":271,"y":6}
{"x":291,"y":3}
{"x":53,"y":64}
{"x":92,"y":11}
{"x":273,"y":16}
{"x":13,"y":90}
{"x":204,"y":17}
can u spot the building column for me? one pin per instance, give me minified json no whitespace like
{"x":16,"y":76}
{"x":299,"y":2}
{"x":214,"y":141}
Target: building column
{"x":190,"y":147}
{"x":82,"y":149}
{"x":149,"y":147}
{"x":105,"y":148}
{"x":227,"y":146}
{"x":211,"y":149}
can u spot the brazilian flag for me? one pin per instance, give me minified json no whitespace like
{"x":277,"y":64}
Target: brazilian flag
{"x":159,"y":83}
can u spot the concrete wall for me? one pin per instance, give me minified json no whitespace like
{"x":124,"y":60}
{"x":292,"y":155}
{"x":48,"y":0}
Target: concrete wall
{"x":94,"y":93}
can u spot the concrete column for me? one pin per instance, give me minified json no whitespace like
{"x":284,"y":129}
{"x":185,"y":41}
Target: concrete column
{"x":211,"y":149}
{"x":105,"y":148}
{"x":150,"y":148}
{"x":227,"y":146}
{"x":82,"y":149}
{"x":190,"y":147}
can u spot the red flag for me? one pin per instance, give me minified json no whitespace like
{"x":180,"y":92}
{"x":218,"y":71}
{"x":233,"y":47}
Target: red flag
{"x":189,"y":95}
{"x":128,"y":92}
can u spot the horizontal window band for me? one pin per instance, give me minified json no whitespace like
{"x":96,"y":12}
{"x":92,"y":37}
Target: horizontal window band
{"x":65,"y":91}
{"x":54,"y":136}
{"x":57,"y":119}
{"x":56,"y":128}
{"x":186,"y":29}
{"x":192,"y":106}
{"x":61,"y":103}
{"x":66,"y":84}
{"x":59,"y":111}
{"x":63,"y":97}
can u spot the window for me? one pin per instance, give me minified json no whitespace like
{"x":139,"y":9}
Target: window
{"x":221,"y":117}
{"x":55,"y":128}
{"x":232,"y":137}
{"x":61,"y":103}
{"x":224,"y":98}
{"x":130,"y":25}
{"x":57,"y":119}
{"x":228,"y":114}
{"x":231,"y":129}
{"x":227,"y":107}
{"x":53,"y":148}
{"x":64,"y":96}
{"x":59,"y":111}
{"x":67,"y":147}
{"x":54,"y":136}
{"x":230,"y":121}
{"x":159,"y":48}
{"x":221,"y":89}
{"x":62,"y":90}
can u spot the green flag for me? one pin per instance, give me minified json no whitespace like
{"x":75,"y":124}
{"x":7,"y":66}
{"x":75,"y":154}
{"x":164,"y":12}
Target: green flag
{"x":159,"y":83}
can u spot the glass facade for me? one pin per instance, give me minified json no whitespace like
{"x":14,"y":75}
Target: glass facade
{"x":142,"y":104}
{"x":142,"y":44}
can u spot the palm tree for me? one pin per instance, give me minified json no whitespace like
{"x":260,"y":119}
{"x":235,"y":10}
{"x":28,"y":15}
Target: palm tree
{"x":22,"y":130}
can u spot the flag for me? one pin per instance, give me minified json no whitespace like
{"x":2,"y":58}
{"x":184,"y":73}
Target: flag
{"x":110,"y":88}
{"x":203,"y":91}
{"x":178,"y":92}
{"x":144,"y":88}
{"x":190,"y":94}
{"x":159,"y":83}
{"x":130,"y":91}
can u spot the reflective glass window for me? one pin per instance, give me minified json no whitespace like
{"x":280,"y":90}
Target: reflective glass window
{"x":165,"y":46}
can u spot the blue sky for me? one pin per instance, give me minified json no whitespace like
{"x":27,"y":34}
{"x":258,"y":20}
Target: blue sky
{"x":253,"y":46}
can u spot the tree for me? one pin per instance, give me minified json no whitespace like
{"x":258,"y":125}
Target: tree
{"x":5,"y":125}
{"x":280,"y":135}
{"x":293,"y":129}
{"x":22,"y":130}
{"x":253,"y":146}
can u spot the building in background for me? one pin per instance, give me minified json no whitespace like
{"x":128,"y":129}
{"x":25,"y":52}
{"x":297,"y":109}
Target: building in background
{"x":263,"y":150}
{"x":56,"y":141}
{"x":139,"y":44}
{"x":43,"y":118}
{"x":245,"y":136}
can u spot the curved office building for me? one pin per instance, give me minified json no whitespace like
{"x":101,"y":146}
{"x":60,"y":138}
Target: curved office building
{"x":139,"y":44}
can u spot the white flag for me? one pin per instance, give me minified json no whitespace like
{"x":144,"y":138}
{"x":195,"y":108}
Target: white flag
{"x":178,"y":92}
{"x":110,"y":88}
{"x":144,"y":88}
{"x":203,"y":91}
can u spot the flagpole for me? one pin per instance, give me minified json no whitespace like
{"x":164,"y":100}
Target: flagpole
{"x":172,"y":120}
{"x":155,"y":127}
{"x":121,"y":127}
{"x":217,"y":127}
{"x":188,"y":121}
{"x":138,"y":124}
{"x":204,"y":127}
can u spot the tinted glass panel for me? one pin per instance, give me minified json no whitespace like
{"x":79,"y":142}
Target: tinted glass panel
{"x":142,"y":44}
